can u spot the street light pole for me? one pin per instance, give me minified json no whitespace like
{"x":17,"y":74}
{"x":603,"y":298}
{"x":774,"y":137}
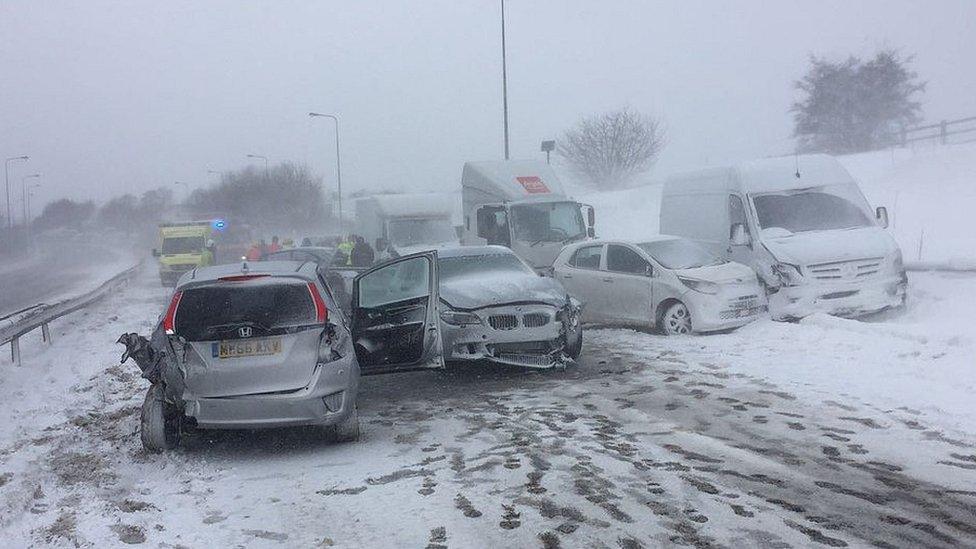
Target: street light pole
{"x":504,"y":82}
{"x":265,"y":158}
{"x":6,"y":182}
{"x":30,"y":225}
{"x":186,"y":188}
{"x":23,"y":191}
{"x":338,"y":163}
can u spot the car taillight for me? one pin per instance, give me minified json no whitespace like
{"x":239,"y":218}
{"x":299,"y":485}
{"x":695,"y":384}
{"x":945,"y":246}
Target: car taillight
{"x":169,"y":321}
{"x":321,"y":313}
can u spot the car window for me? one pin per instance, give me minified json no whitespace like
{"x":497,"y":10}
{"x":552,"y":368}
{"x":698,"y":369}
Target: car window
{"x":400,"y":281}
{"x":678,"y":253}
{"x":587,"y":257}
{"x":182,"y":245}
{"x":622,"y":259}
{"x":283,"y":255}
{"x":217,"y":312}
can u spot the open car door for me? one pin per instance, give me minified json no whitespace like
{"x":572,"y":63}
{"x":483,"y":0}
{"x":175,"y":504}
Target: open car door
{"x":395,"y":320}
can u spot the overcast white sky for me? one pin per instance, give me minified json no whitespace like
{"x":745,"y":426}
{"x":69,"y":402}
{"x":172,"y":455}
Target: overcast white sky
{"x":108,"y":96}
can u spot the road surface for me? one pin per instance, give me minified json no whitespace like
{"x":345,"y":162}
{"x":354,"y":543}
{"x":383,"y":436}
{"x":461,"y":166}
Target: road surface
{"x":638,"y":445}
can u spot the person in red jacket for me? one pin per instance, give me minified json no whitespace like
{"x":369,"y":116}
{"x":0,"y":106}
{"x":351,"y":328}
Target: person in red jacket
{"x":275,"y":246}
{"x":254,"y":252}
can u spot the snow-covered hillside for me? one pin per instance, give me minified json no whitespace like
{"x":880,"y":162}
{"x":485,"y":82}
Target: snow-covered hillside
{"x":930,"y":193}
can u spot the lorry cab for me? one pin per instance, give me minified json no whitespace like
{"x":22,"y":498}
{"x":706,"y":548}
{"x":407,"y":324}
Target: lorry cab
{"x":520,"y":204}
{"x":801,"y":223}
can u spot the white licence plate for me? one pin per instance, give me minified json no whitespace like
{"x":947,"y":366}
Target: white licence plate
{"x":247,"y":347}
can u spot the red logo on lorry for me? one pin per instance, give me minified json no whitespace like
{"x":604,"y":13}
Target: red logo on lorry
{"x":533,"y":185}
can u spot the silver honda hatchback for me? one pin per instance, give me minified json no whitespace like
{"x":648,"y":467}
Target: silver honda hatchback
{"x":249,"y":346}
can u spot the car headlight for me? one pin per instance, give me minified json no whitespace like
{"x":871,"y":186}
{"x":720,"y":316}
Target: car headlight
{"x":459,"y":318}
{"x":788,"y":274}
{"x":702,"y":286}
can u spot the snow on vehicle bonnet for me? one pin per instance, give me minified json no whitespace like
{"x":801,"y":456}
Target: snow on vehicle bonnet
{"x":473,"y":277}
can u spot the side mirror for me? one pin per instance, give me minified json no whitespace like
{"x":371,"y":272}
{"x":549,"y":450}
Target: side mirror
{"x":155,"y":252}
{"x":882,"y":215}
{"x":590,"y":216}
{"x":738,"y":235}
{"x":590,"y":232}
{"x":648,"y":270}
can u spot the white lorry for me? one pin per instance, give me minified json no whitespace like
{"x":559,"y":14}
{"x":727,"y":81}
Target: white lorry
{"x":409,"y":222}
{"x":520,"y":204}
{"x":802,"y":224}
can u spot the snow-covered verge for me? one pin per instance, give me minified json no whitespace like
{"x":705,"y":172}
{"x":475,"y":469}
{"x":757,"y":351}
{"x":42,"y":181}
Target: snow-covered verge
{"x":930,"y":193}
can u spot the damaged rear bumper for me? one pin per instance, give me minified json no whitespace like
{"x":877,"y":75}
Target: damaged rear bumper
{"x":328,"y":399}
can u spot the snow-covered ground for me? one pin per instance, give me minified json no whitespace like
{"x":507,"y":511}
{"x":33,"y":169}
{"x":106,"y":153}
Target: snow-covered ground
{"x":826,"y":432}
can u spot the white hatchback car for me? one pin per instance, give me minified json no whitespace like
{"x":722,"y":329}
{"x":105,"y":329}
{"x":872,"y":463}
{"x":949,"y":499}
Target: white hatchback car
{"x":667,"y":282}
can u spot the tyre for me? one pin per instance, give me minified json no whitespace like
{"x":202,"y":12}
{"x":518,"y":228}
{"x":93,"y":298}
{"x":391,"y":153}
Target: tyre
{"x":676,"y":319}
{"x":159,"y":427}
{"x":345,"y":431}
{"x":573,"y":338}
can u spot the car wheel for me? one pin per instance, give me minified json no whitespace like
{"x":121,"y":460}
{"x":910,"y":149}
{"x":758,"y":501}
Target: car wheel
{"x":159,"y":427}
{"x":676,"y":319}
{"x":574,"y":341}
{"x":347,"y":430}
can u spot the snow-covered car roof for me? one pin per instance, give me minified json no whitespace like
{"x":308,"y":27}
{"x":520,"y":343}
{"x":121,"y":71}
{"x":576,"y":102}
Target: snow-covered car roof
{"x":465,"y":251}
{"x":304,"y":269}
{"x":764,"y":175}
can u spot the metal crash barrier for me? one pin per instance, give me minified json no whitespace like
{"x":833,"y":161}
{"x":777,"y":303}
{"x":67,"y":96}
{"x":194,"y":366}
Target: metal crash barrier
{"x":17,"y":324}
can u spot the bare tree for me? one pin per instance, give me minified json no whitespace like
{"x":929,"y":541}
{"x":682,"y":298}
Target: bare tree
{"x":287,"y":195}
{"x":608,"y":150}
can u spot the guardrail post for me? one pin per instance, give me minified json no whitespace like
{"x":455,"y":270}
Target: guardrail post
{"x":45,"y":333}
{"x":943,"y":132}
{"x":15,"y":351}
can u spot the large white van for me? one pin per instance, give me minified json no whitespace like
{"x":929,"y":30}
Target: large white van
{"x":801,"y":223}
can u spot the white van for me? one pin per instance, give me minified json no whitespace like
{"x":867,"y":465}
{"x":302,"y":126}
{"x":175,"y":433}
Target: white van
{"x":802,"y":224}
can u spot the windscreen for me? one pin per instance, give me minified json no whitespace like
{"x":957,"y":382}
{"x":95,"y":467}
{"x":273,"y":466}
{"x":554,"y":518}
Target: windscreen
{"x":220,"y":311}
{"x":475,"y":265}
{"x":548,"y":222}
{"x":182,"y":245}
{"x":824,"y":208}
{"x":680,"y":254}
{"x":410,"y":232}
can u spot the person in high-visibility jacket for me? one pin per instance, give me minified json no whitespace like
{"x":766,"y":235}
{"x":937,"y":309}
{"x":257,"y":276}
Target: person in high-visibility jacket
{"x":209,"y":255}
{"x":345,"y":248}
